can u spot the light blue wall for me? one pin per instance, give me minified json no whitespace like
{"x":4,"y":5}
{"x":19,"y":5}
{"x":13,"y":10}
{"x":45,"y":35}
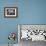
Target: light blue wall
{"x":29,"y":12}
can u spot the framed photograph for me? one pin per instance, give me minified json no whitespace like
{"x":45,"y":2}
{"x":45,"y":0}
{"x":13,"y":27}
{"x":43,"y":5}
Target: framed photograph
{"x":10,"y":12}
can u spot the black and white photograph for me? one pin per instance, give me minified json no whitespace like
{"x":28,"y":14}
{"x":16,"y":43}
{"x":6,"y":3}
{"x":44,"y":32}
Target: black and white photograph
{"x":10,"y":11}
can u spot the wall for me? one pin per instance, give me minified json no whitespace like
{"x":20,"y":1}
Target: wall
{"x":29,"y":12}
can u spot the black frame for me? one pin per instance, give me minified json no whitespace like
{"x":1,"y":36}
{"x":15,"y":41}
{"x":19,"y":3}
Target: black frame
{"x":11,"y":16}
